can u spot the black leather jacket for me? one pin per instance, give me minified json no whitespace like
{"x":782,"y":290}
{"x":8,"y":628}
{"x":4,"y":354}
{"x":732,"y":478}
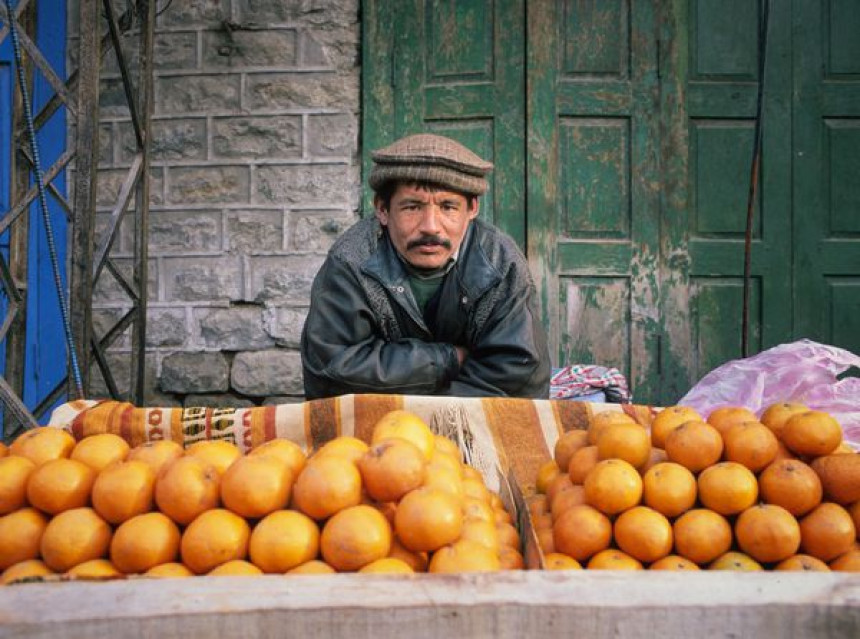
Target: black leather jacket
{"x":365,"y":334}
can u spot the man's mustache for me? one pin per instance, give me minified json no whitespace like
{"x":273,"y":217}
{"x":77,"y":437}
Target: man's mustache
{"x":429,"y":240}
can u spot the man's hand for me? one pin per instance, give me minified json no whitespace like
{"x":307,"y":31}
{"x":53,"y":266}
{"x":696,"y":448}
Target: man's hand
{"x":462,"y":353}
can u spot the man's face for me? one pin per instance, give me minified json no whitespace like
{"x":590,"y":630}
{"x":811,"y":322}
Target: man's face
{"x":426,"y":227}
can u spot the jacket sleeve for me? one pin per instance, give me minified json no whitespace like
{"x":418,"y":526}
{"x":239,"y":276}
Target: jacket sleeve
{"x":342,"y":352}
{"x":509,"y":356}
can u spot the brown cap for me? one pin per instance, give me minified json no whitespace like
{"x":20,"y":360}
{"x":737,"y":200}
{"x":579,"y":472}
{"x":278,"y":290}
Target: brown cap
{"x":430,"y":158}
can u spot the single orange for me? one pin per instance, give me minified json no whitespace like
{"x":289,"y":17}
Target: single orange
{"x":406,"y":425}
{"x":286,"y":450}
{"x":669,"y":419}
{"x":427,"y":519}
{"x":74,"y":536}
{"x":94,"y":569}
{"x":283,"y":540}
{"x":613,"y":559}
{"x":724,"y":417}
{"x":445,"y":479}
{"x":156,"y":454}
{"x":464,"y":556}
{"x":601,"y":420}
{"x":695,"y":445}
{"x":255,"y":486}
{"x":813,"y":433}
{"x":752,"y":444}
{"x":630,"y":442}
{"x":219,"y":453}
{"x":574,"y":496}
{"x":548,"y":471}
{"x":737,"y":561}
{"x":791,"y":484}
{"x":727,"y":488}
{"x":14,"y":473}
{"x":143,"y":542}
{"x":98,"y":451}
{"x":474,"y":508}
{"x":391,"y":468}
{"x":643,"y":533}
{"x":673,"y":562}
{"x":123,"y":490}
{"x":215,"y":537}
{"x":560,"y":561}
{"x":24,"y":570}
{"x":417,"y":560}
{"x":387,"y":566}
{"x":581,"y":531}
{"x":569,"y":442}
{"x":669,"y":488}
{"x":613,"y":486}
{"x":581,"y":463}
{"x":312,"y":567}
{"x":344,"y":446}
{"x":235,"y":568}
{"x":801,"y":562}
{"x":511,"y":559}
{"x":20,"y":536}
{"x":768,"y":533}
{"x":701,"y":535}
{"x":847,"y":562}
{"x":187,"y":487}
{"x":657,"y":456}
{"x":60,"y":484}
{"x":482,"y":532}
{"x":326,"y":485}
{"x":43,"y":444}
{"x":776,"y":415}
{"x":170,"y":569}
{"x":827,"y":531}
{"x":442,"y":444}
{"x":508,"y":535}
{"x":559,"y":484}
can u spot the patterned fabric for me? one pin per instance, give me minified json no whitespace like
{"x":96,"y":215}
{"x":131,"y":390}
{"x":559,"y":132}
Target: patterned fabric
{"x":580,"y":379}
{"x":514,"y":435}
{"x":430,"y":158}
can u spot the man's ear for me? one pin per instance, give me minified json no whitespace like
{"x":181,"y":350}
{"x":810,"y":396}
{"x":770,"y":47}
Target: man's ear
{"x":381,"y":210}
{"x":474,"y":208}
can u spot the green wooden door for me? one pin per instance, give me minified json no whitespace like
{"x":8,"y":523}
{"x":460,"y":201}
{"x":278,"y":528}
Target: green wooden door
{"x":453,"y":67}
{"x":593,"y":195}
{"x":826,"y":154}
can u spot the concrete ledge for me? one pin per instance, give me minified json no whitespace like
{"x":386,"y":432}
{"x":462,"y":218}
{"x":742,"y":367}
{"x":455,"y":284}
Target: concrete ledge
{"x":513,"y":604}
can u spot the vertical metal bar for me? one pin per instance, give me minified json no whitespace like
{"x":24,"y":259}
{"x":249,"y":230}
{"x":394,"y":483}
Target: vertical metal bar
{"x":141,"y":218}
{"x":86,"y":174}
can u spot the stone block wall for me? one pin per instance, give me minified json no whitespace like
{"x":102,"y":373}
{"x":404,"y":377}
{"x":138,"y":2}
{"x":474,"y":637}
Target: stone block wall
{"x":255,"y":171}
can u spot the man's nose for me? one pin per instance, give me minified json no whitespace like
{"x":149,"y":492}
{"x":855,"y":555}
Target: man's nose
{"x":430,"y":219}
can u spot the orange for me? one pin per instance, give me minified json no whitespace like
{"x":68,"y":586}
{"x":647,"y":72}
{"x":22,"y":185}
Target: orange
{"x":669,"y":419}
{"x":791,"y":484}
{"x":847,"y":562}
{"x":475,"y":488}
{"x":312,"y":567}
{"x":406,"y":425}
{"x":695,"y":445}
{"x":545,"y":540}
{"x":187,"y":487}
{"x":511,"y":559}
{"x":354,"y":537}
{"x":442,"y":444}
{"x":443,"y":460}
{"x":783,"y":452}
{"x":669,"y":488}
{"x":282,"y":540}
{"x":612,"y":559}
{"x":143,"y":542}
{"x":854,"y":511}
{"x":581,"y":463}
{"x":255,"y":486}
{"x":427,"y":519}
{"x":565,"y":499}
{"x":827,"y":531}
{"x":560,"y":561}
{"x":567,"y":445}
{"x":559,"y":484}
{"x":501,"y":515}
{"x":124,"y":489}
{"x":14,"y":473}
{"x":767,"y":533}
{"x":548,"y":471}
{"x":775,"y":415}
{"x":643,"y":533}
{"x":464,"y":556}
{"x":27,"y":569}
{"x":840,"y":477}
{"x":60,"y":484}
{"x":657,"y":456}
{"x":445,"y":479}
{"x":813,"y":433}
{"x":752,"y":444}
{"x":612,"y":486}
{"x":630,"y":442}
{"x":474,"y":508}
{"x":734,"y":560}
{"x":603,"y":419}
{"x":673,"y":562}
{"x":387,"y":566}
{"x":538,"y":505}
{"x":344,"y":446}
{"x":20,"y":536}
{"x":94,"y":569}
{"x":508,"y":535}
{"x":98,"y":451}
{"x":701,"y":535}
{"x":170,"y":569}
{"x":287,"y":451}
{"x":327,"y":485}
{"x":727,"y":488}
{"x":43,"y":444}
{"x":391,"y":468}
{"x":157,"y":454}
{"x":482,"y":532}
{"x":802,"y":562}
{"x":725,"y":417}
{"x":417,"y":560}
{"x":74,"y":536}
{"x":581,"y":531}
{"x":219,"y":453}
{"x":215,"y":537}
{"x":235,"y":568}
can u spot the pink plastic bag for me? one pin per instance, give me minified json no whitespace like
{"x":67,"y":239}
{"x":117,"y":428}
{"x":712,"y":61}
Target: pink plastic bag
{"x":802,"y":371}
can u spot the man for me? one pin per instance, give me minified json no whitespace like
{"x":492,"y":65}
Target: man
{"x":425,"y":298}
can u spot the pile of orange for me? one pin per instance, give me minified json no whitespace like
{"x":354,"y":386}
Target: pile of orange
{"x":97,"y":508}
{"x":730,"y":491}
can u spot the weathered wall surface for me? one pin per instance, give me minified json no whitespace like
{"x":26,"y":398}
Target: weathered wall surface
{"x":255,"y":172}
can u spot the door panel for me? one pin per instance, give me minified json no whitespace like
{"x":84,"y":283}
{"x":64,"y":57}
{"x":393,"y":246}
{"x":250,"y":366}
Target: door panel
{"x":593,"y":182}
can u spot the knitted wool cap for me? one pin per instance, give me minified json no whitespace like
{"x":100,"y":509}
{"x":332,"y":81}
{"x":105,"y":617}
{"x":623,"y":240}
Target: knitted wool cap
{"x":430,"y":158}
